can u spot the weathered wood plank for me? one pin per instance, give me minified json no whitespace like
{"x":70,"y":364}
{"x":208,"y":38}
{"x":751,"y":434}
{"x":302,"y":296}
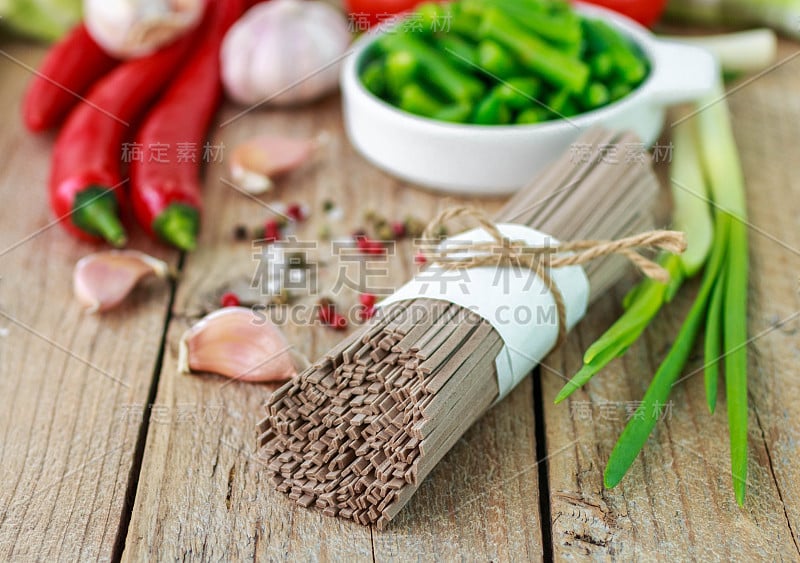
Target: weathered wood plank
{"x":69,"y":382}
{"x":169,"y":522}
{"x":482,"y":500}
{"x":677,"y":499}
{"x":200,"y":479}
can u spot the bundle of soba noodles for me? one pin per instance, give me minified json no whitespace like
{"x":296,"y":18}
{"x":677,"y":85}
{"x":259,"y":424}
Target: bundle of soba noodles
{"x":356,"y":433}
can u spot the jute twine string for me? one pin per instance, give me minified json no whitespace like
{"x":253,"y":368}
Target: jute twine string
{"x":503,"y":252}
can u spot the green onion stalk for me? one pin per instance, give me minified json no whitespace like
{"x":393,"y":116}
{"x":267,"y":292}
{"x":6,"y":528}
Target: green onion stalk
{"x":781,"y":15}
{"x":705,"y":171}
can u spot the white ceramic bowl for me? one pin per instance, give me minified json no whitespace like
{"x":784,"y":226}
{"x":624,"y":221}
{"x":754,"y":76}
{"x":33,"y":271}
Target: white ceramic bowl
{"x":493,"y":160}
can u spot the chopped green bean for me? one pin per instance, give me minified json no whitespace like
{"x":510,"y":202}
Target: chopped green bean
{"x":415,"y":99}
{"x":602,"y":65}
{"x":401,"y":68}
{"x":520,"y":92}
{"x":430,"y":16}
{"x":492,"y":111}
{"x":532,"y":115}
{"x":562,"y":28}
{"x":561,"y":103}
{"x":628,"y":64}
{"x":464,"y":24}
{"x":456,"y":113}
{"x":495,"y":60}
{"x":545,"y":60}
{"x":619,"y":91}
{"x":458,"y":50}
{"x":491,"y":61}
{"x":458,"y":87}
{"x":595,"y":96}
{"x":374,"y":77}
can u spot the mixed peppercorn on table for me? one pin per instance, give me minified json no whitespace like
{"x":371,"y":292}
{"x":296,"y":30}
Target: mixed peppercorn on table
{"x":107,"y":452}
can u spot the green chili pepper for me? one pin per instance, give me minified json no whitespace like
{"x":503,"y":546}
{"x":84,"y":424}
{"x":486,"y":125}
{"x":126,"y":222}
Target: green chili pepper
{"x":547,"y":61}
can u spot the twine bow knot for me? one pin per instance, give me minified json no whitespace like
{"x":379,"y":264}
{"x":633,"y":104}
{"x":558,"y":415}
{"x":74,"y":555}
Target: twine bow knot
{"x":504,"y":252}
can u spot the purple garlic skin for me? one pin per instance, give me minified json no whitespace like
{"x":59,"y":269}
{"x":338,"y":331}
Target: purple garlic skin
{"x":236,"y":343}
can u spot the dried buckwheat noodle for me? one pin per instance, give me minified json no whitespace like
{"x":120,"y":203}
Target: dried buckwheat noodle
{"x":356,"y":433}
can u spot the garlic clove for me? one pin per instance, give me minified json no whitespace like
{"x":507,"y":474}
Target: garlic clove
{"x":257,"y":160}
{"x":234,"y":342}
{"x":101,"y":281}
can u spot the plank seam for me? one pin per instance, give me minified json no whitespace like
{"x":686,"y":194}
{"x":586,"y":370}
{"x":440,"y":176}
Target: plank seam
{"x":141,"y":439}
{"x":542,"y":466}
{"x":775,"y":479}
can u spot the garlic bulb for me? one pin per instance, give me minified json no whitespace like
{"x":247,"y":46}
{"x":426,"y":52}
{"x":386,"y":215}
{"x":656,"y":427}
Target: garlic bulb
{"x":284,"y":52}
{"x":101,"y":281}
{"x":236,"y":343}
{"x":133,"y":28}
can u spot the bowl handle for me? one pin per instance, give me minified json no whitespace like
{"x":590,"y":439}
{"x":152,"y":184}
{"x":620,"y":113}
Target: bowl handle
{"x":683,"y":73}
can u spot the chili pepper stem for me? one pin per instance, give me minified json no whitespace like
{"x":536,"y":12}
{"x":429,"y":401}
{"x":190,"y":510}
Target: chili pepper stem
{"x":95,"y":212}
{"x":178,"y":225}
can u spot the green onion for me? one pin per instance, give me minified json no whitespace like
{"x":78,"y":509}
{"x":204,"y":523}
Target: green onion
{"x":721,"y":303}
{"x":643,"y":421}
{"x":725,"y":177}
{"x":692,"y":216}
{"x":742,"y":51}
{"x":782,"y":15}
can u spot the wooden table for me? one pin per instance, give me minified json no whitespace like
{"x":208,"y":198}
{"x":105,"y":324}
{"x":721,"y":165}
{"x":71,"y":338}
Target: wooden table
{"x":107,"y":452}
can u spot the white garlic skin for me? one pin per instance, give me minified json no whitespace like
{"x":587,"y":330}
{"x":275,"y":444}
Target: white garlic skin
{"x":284,"y":52}
{"x":135,"y":28}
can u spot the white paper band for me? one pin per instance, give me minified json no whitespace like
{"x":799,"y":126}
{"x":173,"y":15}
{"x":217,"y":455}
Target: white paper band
{"x":514,"y":301}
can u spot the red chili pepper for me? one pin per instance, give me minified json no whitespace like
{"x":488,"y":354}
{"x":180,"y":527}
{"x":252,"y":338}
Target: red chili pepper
{"x":69,"y":69}
{"x":166,"y":191}
{"x":85,"y":179}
